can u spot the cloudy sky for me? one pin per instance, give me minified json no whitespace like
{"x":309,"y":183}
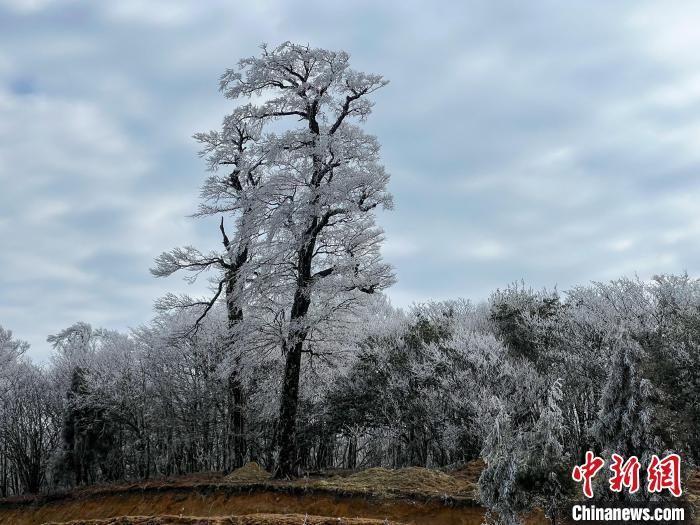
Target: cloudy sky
{"x":545,"y":141}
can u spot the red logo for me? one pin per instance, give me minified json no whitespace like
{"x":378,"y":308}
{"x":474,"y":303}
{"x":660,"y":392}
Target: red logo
{"x":587,"y":471}
{"x":625,"y":474}
{"x":661,"y":474}
{"x":665,"y":474}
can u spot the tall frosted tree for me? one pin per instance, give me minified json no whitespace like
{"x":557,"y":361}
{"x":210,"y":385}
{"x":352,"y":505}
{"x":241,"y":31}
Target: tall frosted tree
{"x":303,"y":186}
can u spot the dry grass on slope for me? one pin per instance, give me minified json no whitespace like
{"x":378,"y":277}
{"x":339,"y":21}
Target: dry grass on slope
{"x":248,"y":473}
{"x":413,"y":481}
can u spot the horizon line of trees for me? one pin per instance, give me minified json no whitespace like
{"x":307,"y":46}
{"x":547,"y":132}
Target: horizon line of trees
{"x":528,"y":381}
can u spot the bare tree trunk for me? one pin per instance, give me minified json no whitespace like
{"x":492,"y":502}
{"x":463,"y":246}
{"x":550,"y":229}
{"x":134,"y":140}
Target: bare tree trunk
{"x":236,"y":442}
{"x":290,"y":388}
{"x":288,"y":413}
{"x":294,"y":344}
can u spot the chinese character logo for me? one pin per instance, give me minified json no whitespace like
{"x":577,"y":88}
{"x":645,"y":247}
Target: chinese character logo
{"x":587,"y":471}
{"x":661,"y":474}
{"x":625,"y":474}
{"x":665,"y":474}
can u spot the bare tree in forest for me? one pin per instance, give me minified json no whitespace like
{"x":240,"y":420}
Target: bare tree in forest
{"x":29,"y":419}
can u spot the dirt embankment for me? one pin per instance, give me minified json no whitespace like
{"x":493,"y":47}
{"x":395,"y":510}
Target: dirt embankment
{"x":194,"y":502}
{"x":248,"y":496}
{"x":252,"y":519}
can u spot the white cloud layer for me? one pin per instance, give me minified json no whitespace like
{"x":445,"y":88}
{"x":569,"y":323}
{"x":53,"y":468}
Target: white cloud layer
{"x":554,"y":143}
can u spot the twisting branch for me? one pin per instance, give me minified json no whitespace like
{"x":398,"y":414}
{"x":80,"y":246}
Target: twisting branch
{"x":345,"y":111}
{"x":209,"y":305}
{"x":223,"y":232}
{"x":187,"y":258}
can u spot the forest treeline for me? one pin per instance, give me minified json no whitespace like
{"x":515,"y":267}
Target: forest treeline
{"x":528,"y":381}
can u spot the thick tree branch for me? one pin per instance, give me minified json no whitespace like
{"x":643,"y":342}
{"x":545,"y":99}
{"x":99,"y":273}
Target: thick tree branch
{"x":345,"y":111}
{"x":323,"y":273}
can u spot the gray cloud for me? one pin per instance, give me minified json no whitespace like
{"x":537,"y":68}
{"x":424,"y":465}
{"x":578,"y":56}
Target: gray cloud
{"x":557,"y":144}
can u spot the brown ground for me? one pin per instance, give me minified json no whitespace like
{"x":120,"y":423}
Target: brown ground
{"x":251,"y":519}
{"x":192,"y":502}
{"x":248,"y":497}
{"x":692,"y":489}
